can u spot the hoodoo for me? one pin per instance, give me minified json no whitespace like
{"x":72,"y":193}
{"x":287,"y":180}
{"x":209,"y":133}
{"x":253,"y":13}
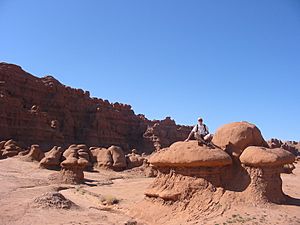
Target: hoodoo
{"x":201,"y":179}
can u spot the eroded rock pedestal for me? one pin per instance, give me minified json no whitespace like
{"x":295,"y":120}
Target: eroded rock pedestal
{"x":73,"y":166}
{"x":264,"y":166}
{"x":199,"y":180}
{"x":189,"y":173}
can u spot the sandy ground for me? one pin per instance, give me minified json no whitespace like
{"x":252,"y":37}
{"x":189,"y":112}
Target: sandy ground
{"x":21,"y":182}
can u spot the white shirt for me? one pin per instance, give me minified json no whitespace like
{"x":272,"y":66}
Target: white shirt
{"x":200,"y":128}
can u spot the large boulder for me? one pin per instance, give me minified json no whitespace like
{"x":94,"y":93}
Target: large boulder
{"x":111,"y":158}
{"x":104,"y":158}
{"x":237,"y":136}
{"x":118,"y":157}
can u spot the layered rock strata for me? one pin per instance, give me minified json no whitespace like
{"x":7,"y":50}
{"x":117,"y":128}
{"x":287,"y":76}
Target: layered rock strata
{"x":43,"y":111}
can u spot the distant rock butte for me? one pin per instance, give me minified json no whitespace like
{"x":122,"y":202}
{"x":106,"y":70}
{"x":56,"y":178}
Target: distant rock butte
{"x":45,"y":112}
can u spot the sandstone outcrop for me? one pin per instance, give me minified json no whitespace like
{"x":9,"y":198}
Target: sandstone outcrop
{"x":9,"y":148}
{"x":72,"y":169}
{"x":79,"y":151}
{"x":274,"y":143}
{"x":111,"y":158}
{"x":43,"y":111}
{"x":199,"y":179}
{"x":35,"y":154}
{"x":186,"y":170}
{"x":291,"y":146}
{"x":118,"y":157}
{"x":134,"y":160}
{"x":52,"y":159}
{"x":237,"y":136}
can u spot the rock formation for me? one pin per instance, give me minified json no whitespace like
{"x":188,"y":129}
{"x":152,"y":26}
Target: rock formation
{"x":111,"y":158}
{"x":52,"y":159}
{"x":9,"y":149}
{"x":199,"y":179}
{"x":72,"y":169}
{"x":264,"y":166}
{"x":134,"y":160}
{"x":80,"y":151}
{"x":186,"y":170}
{"x":43,"y":111}
{"x":237,"y":136}
{"x":118,"y":157}
{"x":291,"y":146}
{"x":35,"y":154}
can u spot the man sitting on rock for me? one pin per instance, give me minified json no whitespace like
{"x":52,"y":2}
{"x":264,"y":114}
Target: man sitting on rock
{"x":201,"y":133}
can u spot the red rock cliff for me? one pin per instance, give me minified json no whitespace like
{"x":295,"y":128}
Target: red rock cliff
{"x":43,"y":111}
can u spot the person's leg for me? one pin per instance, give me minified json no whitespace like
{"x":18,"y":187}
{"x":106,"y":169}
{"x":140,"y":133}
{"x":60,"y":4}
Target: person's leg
{"x":208,"y":137}
{"x":199,"y":138}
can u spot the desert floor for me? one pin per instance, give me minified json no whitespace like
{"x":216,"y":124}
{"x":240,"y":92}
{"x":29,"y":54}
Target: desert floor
{"x":22,"y":182}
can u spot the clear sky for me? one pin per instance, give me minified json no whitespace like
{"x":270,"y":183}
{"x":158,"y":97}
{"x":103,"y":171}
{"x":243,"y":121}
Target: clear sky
{"x":223,"y":60}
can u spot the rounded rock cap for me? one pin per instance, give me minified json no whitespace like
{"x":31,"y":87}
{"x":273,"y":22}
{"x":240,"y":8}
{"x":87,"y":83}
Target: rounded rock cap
{"x":237,"y":136}
{"x":266,"y":157}
{"x":189,"y":154}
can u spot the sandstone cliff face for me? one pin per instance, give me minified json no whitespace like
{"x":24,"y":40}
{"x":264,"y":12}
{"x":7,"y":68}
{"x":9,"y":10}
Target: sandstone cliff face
{"x":43,"y":111}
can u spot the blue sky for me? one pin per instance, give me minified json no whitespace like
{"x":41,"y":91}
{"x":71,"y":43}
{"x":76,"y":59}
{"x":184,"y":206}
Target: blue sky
{"x":226,"y":61}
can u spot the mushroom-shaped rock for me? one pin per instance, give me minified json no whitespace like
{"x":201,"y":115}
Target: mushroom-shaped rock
{"x":265,"y":157}
{"x":237,"y":136}
{"x":35,"y":154}
{"x":72,"y":170}
{"x":52,"y":158}
{"x":186,"y":169}
{"x":264,"y":166}
{"x":189,"y":154}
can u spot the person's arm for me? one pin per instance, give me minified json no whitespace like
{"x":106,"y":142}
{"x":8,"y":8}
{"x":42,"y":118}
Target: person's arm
{"x":191,"y":133}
